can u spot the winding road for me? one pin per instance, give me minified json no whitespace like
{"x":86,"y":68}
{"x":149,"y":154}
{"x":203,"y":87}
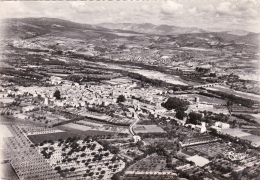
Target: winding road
{"x":133,"y":124}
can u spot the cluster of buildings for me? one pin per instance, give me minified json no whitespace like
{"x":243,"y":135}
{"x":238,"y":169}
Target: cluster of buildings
{"x":38,"y":101}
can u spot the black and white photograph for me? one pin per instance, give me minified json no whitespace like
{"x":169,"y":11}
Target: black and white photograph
{"x":130,"y":90}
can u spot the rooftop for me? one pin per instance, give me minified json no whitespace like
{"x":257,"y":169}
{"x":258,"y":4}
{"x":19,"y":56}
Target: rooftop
{"x":198,"y":160}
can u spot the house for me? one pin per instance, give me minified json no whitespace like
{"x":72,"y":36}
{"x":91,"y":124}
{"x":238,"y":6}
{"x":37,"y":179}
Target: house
{"x":136,"y":138}
{"x":202,"y":128}
{"x":59,"y":103}
{"x":55,"y":80}
{"x":222,"y":125}
{"x":198,"y":160}
{"x":28,"y":108}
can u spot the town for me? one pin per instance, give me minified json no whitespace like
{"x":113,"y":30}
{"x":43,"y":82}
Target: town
{"x":128,"y":106}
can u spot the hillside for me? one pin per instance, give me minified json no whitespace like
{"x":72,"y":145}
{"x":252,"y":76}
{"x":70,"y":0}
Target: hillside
{"x":152,"y":29}
{"x":32,"y":27}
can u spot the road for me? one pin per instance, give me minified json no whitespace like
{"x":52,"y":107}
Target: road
{"x":133,"y":124}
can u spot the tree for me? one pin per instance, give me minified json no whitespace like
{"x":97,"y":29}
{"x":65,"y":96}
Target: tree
{"x":180,"y":114}
{"x":169,"y":161}
{"x":176,"y":103}
{"x":57,"y":168}
{"x":100,"y":176}
{"x":113,"y":159}
{"x":83,"y":155}
{"x":121,"y":98}
{"x":194,"y":118}
{"x":57,"y":94}
{"x":122,"y":46}
{"x":229,"y":103}
{"x":72,"y":169}
{"x":116,"y":176}
{"x":139,"y":143}
{"x":234,"y":175}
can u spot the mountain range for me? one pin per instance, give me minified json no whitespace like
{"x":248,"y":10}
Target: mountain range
{"x":32,"y":27}
{"x":148,"y":28}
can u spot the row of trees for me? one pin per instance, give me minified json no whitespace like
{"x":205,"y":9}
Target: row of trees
{"x":245,"y":144}
{"x":234,"y":99}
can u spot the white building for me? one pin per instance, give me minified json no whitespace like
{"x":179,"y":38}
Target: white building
{"x":222,"y":125}
{"x":136,"y":138}
{"x":28,"y":108}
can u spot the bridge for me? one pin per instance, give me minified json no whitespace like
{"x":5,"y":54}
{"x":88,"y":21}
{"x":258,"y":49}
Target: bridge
{"x":207,"y":85}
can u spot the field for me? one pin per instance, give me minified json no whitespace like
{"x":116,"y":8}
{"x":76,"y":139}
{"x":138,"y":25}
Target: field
{"x":236,"y":93}
{"x":119,"y":81}
{"x":84,"y":126}
{"x":151,"y":165}
{"x":127,"y":34}
{"x":244,"y":134}
{"x":235,"y":132}
{"x":211,"y":149}
{"x":148,"y":129}
{"x":256,"y":117}
{"x":100,"y":133}
{"x":196,"y":49}
{"x":90,"y":132}
{"x":88,"y":123}
{"x":7,"y":172}
{"x":255,"y":139}
{"x":206,"y":99}
{"x":76,"y":126}
{"x":198,"y":160}
{"x":254,"y":131}
{"x":5,"y":132}
{"x":51,"y":136}
{"x":160,"y":76}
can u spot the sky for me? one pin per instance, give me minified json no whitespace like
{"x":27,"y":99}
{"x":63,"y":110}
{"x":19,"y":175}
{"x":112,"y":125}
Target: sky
{"x":210,"y":15}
